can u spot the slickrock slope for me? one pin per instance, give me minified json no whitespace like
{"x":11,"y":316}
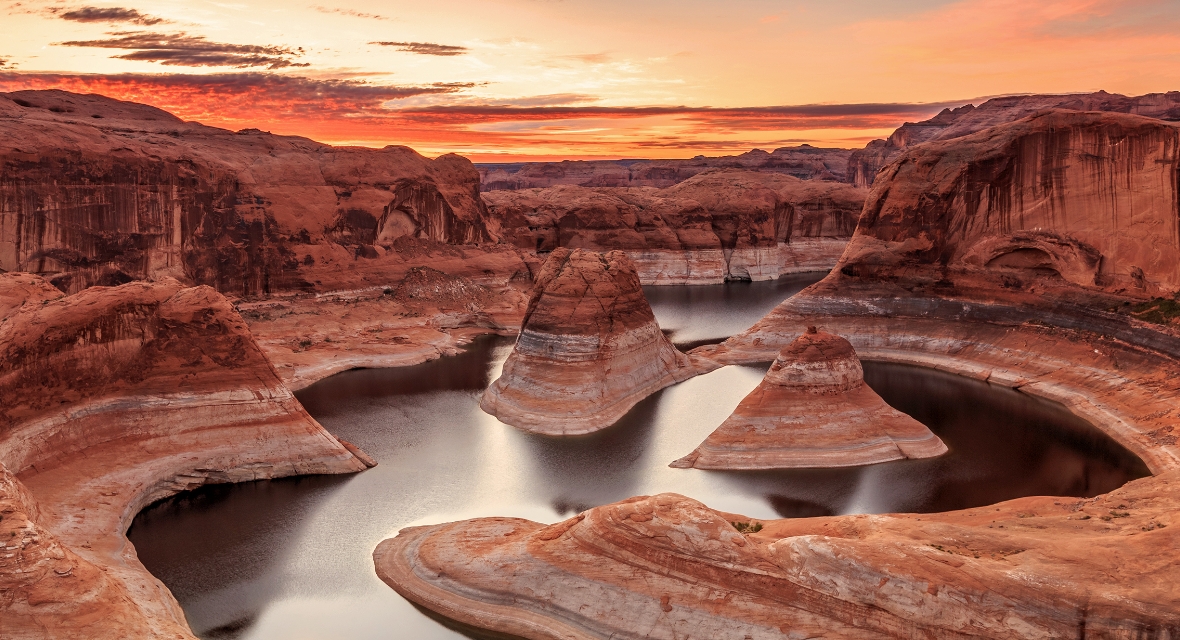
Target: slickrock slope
{"x":723,"y":224}
{"x":110,"y":399}
{"x":43,"y":581}
{"x":813,"y":409}
{"x":864,"y":164}
{"x":669,"y":567}
{"x":804,"y":161}
{"x":589,"y":349}
{"x":99,"y":191}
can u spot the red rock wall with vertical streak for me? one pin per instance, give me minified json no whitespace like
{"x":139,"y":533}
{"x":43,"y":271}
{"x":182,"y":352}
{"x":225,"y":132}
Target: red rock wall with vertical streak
{"x":1090,"y":196}
{"x":98,"y":191}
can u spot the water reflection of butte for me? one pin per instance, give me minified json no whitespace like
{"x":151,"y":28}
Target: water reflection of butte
{"x":596,"y":468}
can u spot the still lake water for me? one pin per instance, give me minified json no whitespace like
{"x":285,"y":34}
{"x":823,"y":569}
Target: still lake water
{"x":291,"y":559}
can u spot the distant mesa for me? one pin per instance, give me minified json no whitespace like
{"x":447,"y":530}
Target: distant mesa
{"x":721,"y":224}
{"x":589,"y":348}
{"x":813,"y":409}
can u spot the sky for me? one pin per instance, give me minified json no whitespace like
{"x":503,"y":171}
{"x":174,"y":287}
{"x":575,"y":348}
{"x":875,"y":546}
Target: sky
{"x":507,"y":80}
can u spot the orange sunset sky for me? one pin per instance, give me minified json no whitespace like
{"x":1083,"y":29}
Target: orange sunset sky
{"x":501,"y":80}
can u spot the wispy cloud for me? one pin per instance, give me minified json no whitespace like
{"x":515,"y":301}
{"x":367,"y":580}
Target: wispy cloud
{"x":351,"y":12}
{"x":182,"y":49}
{"x":442,"y":117}
{"x":589,"y":58}
{"x":425,"y":48}
{"x":108,"y":15}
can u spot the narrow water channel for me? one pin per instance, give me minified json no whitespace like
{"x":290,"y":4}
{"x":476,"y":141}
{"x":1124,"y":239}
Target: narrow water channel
{"x":290,"y":559}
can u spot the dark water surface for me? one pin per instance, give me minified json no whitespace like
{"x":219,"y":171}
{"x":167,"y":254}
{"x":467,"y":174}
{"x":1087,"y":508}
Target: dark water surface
{"x":704,"y":314}
{"x":291,"y":559}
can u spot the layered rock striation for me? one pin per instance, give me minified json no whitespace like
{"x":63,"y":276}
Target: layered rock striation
{"x":813,"y":409}
{"x":110,"y":399}
{"x":668,"y":567}
{"x":589,"y":349}
{"x":99,"y":191}
{"x":865,"y":164}
{"x":719,"y":225}
{"x":1074,"y":198}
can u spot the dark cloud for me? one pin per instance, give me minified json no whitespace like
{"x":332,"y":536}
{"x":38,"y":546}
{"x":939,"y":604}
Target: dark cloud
{"x":196,"y":96}
{"x":3,"y":63}
{"x":426,"y":48}
{"x":844,"y":116}
{"x":182,"y":49}
{"x":109,"y":14}
{"x":351,"y":12}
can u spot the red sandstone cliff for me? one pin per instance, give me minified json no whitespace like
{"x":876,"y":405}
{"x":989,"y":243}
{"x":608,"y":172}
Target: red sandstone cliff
{"x":864,"y":164}
{"x":98,"y":191}
{"x":717,"y":225}
{"x":1084,"y":198}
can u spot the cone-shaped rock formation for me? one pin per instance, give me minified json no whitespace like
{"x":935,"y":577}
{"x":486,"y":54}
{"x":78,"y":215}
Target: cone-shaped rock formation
{"x":589,"y":348}
{"x":813,"y":409}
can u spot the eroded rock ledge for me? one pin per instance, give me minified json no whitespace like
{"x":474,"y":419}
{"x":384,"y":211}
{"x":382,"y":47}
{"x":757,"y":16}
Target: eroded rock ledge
{"x":589,"y":349}
{"x":110,"y":399}
{"x":813,"y":409}
{"x":668,"y":567}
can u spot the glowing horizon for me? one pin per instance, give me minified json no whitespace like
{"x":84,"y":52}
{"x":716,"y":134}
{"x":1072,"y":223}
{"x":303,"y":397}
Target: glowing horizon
{"x":505,"y":80}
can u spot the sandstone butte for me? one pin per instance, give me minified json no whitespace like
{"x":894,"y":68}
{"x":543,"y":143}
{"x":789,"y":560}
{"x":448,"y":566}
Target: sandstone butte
{"x":1025,"y":255}
{"x":813,"y":409}
{"x":110,"y":399}
{"x":589,"y":349}
{"x":723,"y":224}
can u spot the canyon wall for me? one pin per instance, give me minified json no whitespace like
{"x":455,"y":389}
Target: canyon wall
{"x":718,"y":225}
{"x":98,"y":191}
{"x":864,"y":164}
{"x":804,"y":161}
{"x":1091,"y":198}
